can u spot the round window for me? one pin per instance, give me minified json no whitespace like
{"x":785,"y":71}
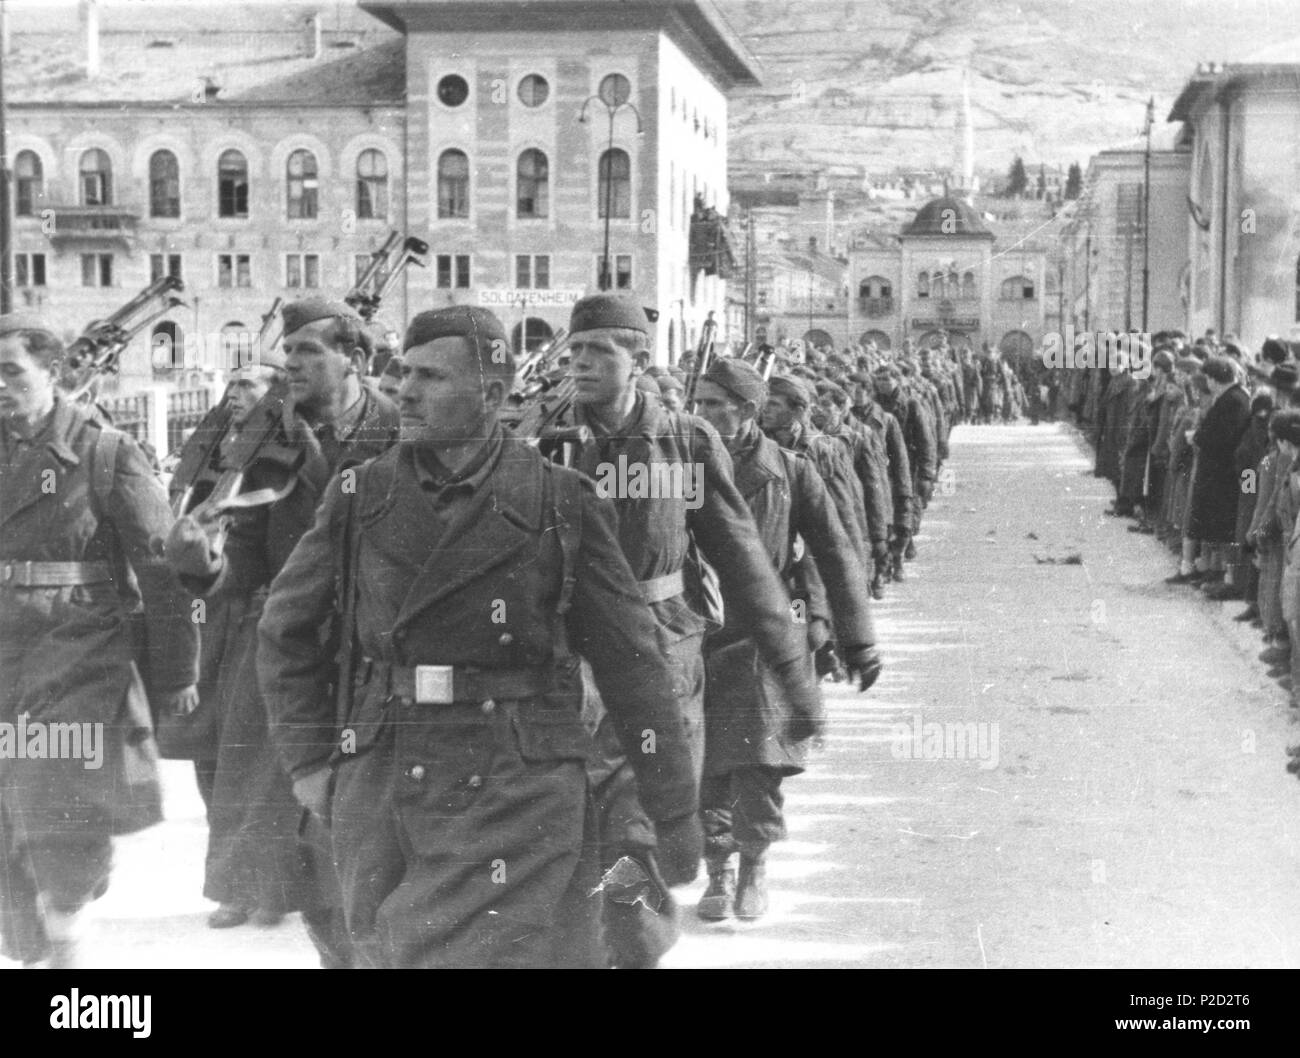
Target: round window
{"x":533,"y":90}
{"x":615,"y":90}
{"x":453,"y":90}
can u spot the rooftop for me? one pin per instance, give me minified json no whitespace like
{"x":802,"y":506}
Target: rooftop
{"x":947,"y":215}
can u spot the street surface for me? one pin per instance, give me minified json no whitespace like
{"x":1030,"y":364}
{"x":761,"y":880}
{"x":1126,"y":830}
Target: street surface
{"x":1123,"y":802}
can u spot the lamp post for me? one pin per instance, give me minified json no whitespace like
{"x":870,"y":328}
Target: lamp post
{"x":613,"y":95}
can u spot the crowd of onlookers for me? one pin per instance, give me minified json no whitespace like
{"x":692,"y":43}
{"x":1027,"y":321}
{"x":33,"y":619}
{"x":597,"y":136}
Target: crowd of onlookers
{"x":1202,"y":454}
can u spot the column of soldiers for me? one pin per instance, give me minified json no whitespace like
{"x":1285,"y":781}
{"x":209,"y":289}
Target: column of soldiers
{"x":471,"y":707}
{"x":1199,"y":440}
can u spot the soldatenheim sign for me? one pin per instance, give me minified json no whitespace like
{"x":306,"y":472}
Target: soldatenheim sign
{"x":506,"y":298}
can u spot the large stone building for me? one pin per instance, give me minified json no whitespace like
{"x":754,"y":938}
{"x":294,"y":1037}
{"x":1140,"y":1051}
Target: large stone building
{"x":941,"y":274}
{"x":1241,"y":128}
{"x":261,"y":151}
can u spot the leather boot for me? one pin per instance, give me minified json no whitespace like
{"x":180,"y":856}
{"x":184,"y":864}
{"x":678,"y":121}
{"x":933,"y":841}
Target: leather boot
{"x":719,"y":898}
{"x":898,"y":569}
{"x":751,"y":887}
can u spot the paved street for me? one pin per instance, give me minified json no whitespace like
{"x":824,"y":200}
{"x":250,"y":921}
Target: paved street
{"x":1123,"y":802}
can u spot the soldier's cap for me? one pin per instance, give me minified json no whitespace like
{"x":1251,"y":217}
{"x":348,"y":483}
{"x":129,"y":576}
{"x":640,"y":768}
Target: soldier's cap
{"x":645,"y":382}
{"x":861,"y":378}
{"x":298,"y":314}
{"x":834,"y":390}
{"x":667,"y":382}
{"x":1188,"y":364}
{"x":1284,"y":377}
{"x":1261,"y":402}
{"x":1163,"y":360}
{"x":13,"y":322}
{"x":739,"y":378}
{"x":608,"y":310}
{"x":457,"y":321}
{"x":678,"y":374}
{"x":1219,"y":369}
{"x":791,"y":388}
{"x":254,"y":372}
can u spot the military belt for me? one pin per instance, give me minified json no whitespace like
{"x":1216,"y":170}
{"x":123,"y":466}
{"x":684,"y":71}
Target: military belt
{"x":447,"y":684}
{"x":52,"y":574}
{"x":669,"y":586}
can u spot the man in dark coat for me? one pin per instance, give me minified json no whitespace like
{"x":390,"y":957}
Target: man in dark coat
{"x":82,"y":522}
{"x":918,"y":438}
{"x":256,"y":860}
{"x":749,"y":744}
{"x":631,"y":429}
{"x":1215,"y":487}
{"x":870,"y":463}
{"x":886,"y":428}
{"x":471,"y":568}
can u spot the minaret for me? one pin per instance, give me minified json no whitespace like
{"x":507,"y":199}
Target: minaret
{"x":966,"y":148}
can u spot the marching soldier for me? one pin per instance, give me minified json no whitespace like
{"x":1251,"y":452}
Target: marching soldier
{"x":874,"y":418}
{"x":918,"y":438}
{"x":256,"y":860}
{"x":82,"y":521}
{"x":632,"y":429}
{"x":468,"y":570}
{"x":751,"y":743}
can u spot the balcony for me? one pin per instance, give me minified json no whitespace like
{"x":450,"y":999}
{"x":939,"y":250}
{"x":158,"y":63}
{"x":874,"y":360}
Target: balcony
{"x":93,"y":223}
{"x":875,"y":308}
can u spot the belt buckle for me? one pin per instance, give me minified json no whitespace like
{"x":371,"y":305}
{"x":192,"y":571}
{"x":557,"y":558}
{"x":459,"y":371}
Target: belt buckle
{"x":433,"y":684}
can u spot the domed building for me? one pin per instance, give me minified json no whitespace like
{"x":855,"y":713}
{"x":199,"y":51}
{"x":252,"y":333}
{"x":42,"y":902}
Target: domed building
{"x":943,"y":272}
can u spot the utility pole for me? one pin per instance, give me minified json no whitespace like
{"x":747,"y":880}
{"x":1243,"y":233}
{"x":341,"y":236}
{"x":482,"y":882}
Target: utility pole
{"x":1087,"y":279}
{"x":1146,"y":217}
{"x":6,"y":206}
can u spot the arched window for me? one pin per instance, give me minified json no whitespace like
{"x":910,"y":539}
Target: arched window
{"x":954,"y":283}
{"x":168,"y":349}
{"x":938,"y":285}
{"x":232,"y":185}
{"x":968,"y":285}
{"x":532,"y":191}
{"x":96,"y":173}
{"x":875,"y":287}
{"x":530,"y":335}
{"x":29,"y":183}
{"x":372,"y":185}
{"x":882,"y":340}
{"x":300,"y":172}
{"x":1018,"y":288}
{"x":237,"y":343}
{"x":164,"y":185}
{"x":453,"y":185}
{"x":615,"y":190}
{"x":923,"y":285}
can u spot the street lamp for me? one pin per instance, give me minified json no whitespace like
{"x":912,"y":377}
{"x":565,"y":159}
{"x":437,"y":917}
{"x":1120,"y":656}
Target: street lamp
{"x":614,"y":94}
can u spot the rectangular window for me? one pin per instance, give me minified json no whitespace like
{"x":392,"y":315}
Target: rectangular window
{"x":234,"y":270}
{"x":452,"y":271}
{"x":96,"y":269}
{"x":302,"y":270}
{"x":622,"y":264}
{"x":161,"y":264}
{"x":533,"y":272}
{"x":29,"y":269}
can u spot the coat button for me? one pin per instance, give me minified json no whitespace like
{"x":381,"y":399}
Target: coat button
{"x":505,"y":639}
{"x":416,"y":772}
{"x":474,"y":782}
{"x":488,"y":706}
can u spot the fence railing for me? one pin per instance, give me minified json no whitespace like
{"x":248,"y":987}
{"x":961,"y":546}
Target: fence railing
{"x":158,"y":416}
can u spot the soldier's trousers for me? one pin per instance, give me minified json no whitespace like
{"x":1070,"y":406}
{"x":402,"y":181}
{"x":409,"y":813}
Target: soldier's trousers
{"x":741,"y":810}
{"x":459,"y":839}
{"x":637,"y":936}
{"x":71,"y":867}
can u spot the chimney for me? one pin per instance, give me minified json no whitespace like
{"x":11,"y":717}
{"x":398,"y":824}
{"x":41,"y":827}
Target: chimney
{"x":311,"y":36}
{"x":90,"y":11}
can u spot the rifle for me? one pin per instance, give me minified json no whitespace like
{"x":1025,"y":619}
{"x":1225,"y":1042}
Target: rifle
{"x":382,"y":272}
{"x":704,"y":354}
{"x":543,"y":413}
{"x":99,"y":348}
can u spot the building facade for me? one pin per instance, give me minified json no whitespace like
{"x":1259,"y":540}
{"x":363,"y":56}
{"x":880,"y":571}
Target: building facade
{"x":266,"y":152}
{"x":941,"y":274}
{"x":1241,"y":129}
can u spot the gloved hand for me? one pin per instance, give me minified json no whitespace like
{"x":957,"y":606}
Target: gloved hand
{"x":865,"y":665}
{"x":681,"y":844}
{"x":807,"y":715}
{"x":192,"y":549}
{"x":879,"y":549}
{"x":312,"y":791}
